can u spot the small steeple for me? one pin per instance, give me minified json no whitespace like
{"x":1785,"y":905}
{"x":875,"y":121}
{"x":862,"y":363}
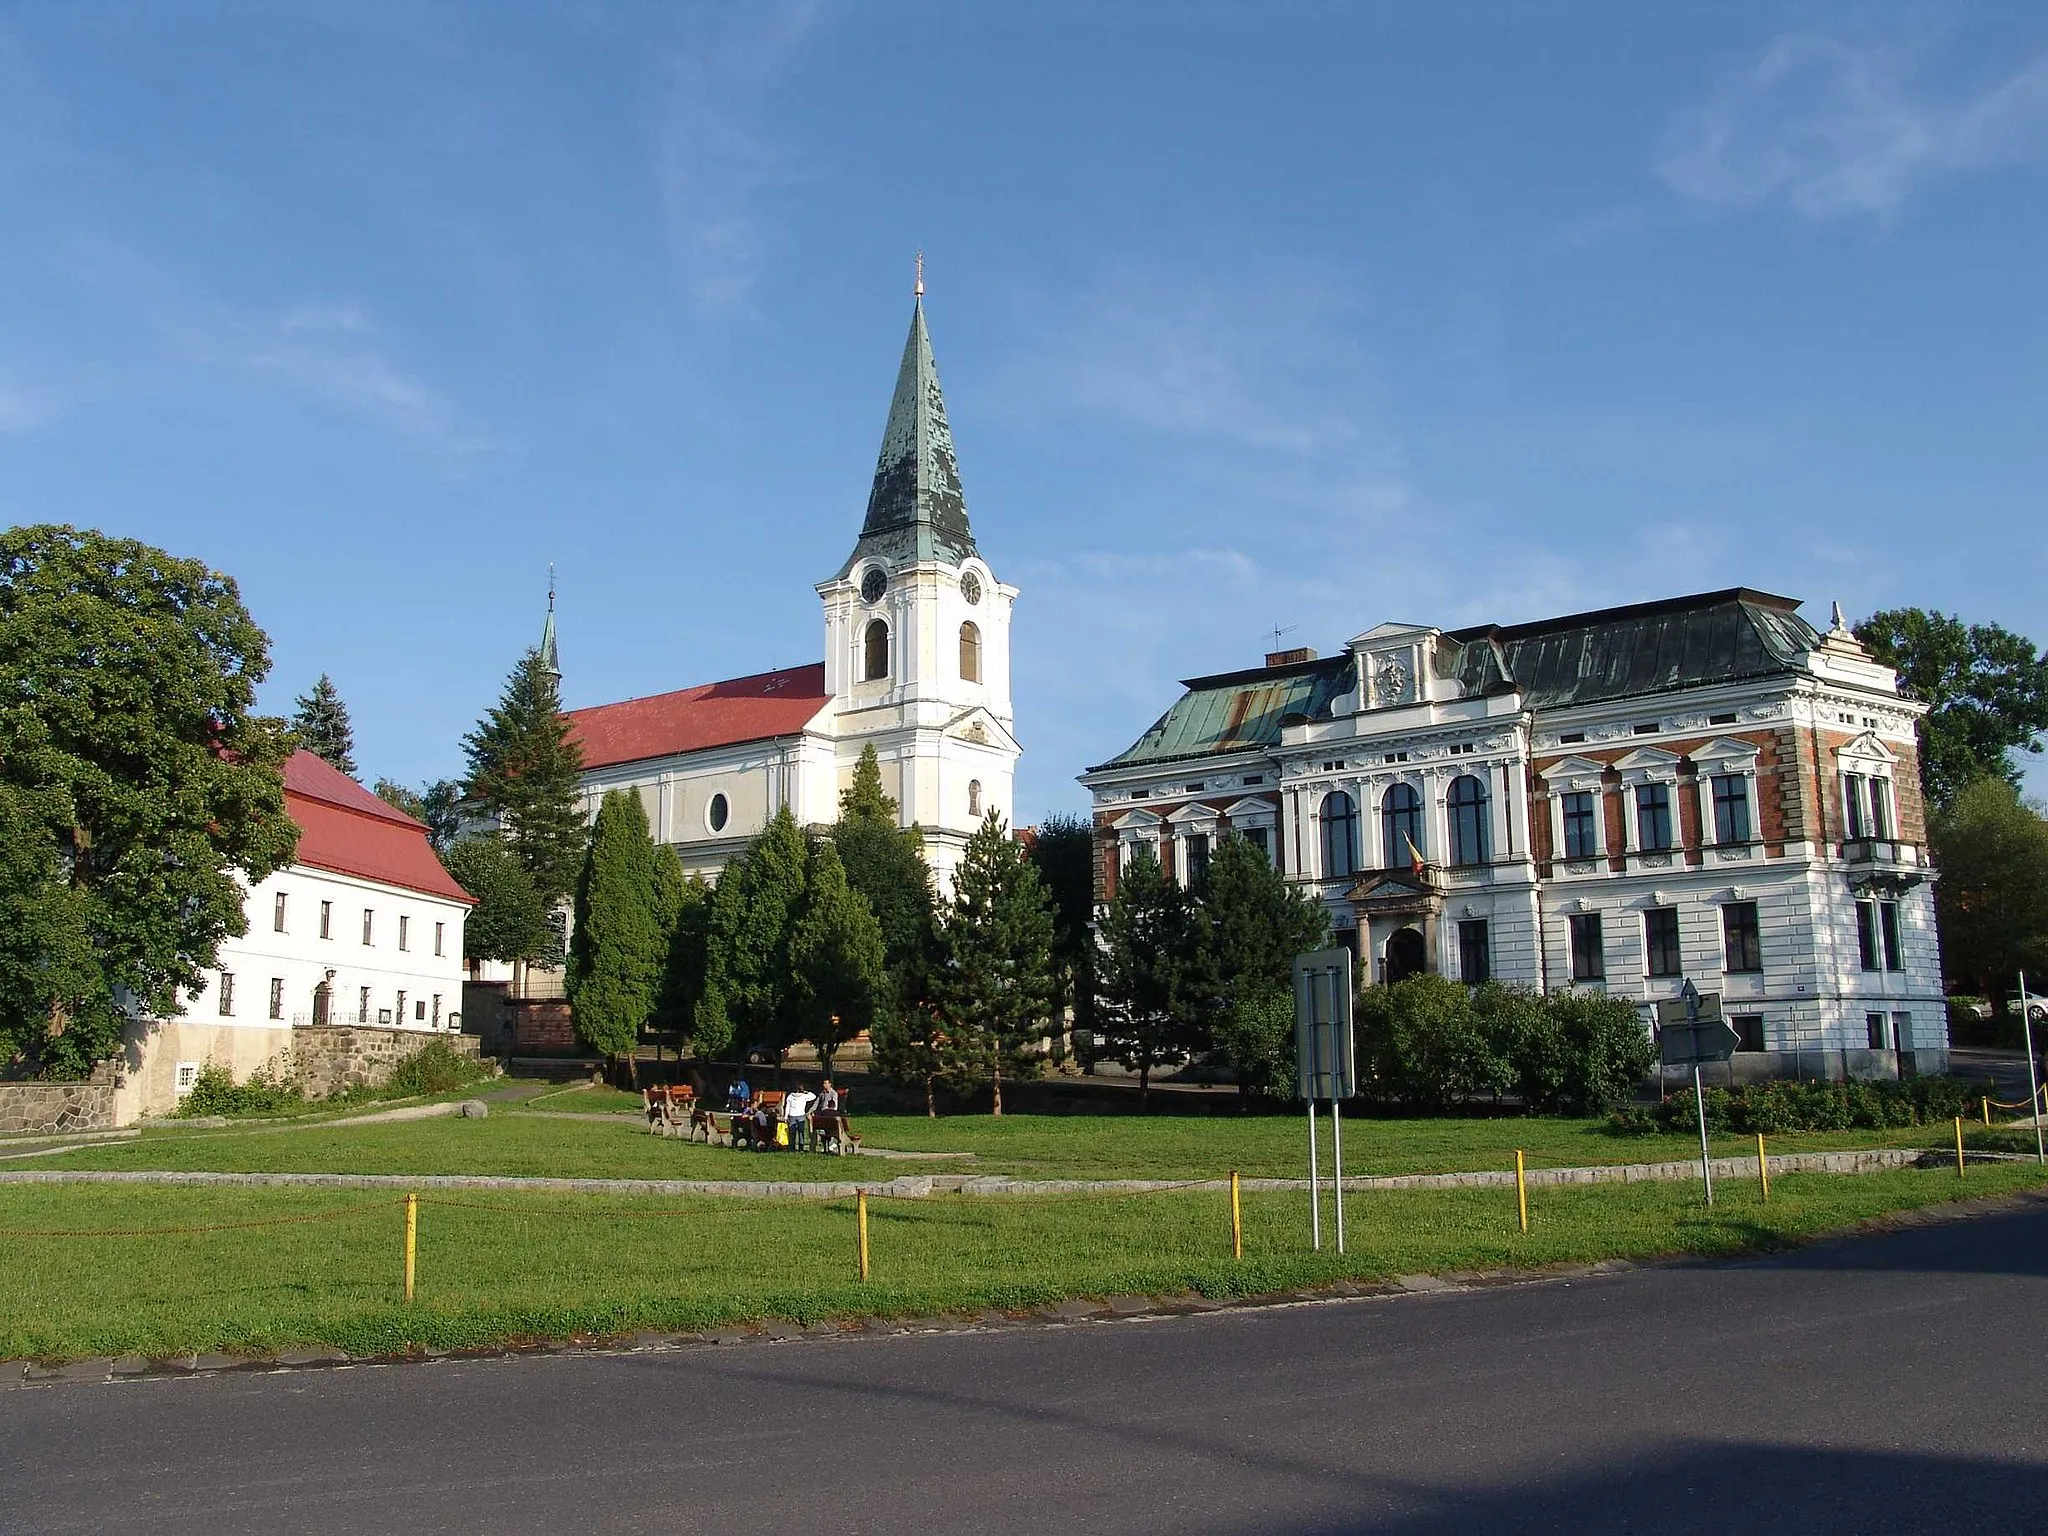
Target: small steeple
{"x":916,"y":509}
{"x":548,"y":653}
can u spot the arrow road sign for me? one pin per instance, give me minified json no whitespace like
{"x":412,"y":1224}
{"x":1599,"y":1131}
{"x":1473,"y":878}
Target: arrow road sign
{"x":1690,"y":1029}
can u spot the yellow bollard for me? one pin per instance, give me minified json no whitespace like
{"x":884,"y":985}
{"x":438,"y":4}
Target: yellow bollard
{"x":412,"y":1239}
{"x":1522,"y":1189}
{"x":1959,"y":1146}
{"x":861,"y":1211}
{"x":1987,"y":1110}
{"x":1763,"y":1168}
{"x":1236,"y":1220}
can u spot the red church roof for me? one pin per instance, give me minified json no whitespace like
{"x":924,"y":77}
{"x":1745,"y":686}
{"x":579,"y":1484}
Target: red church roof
{"x":757,"y":708}
{"x":345,"y":828}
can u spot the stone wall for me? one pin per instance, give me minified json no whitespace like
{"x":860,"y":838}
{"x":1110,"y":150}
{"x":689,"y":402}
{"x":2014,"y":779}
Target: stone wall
{"x":543,"y":1029}
{"x":331,"y":1058}
{"x":86,"y":1106}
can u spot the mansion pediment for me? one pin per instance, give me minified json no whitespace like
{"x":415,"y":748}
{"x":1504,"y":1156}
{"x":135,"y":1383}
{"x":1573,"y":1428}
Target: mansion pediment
{"x":1387,"y":890}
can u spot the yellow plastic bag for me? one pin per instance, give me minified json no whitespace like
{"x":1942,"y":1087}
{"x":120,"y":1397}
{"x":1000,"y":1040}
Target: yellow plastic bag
{"x":782,"y":1133}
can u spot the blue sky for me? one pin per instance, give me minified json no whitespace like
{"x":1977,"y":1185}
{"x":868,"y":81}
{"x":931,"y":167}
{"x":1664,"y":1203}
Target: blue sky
{"x":1287,"y":315}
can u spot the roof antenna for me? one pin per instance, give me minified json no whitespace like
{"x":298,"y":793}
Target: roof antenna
{"x":1280,"y":633}
{"x":918,"y":292}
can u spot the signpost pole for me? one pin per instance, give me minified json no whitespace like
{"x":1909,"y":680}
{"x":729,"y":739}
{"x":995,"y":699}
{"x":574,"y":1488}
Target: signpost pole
{"x":1699,"y":1100}
{"x":2033,"y":1087}
{"x":1337,"y":1158}
{"x":1315,"y":1185}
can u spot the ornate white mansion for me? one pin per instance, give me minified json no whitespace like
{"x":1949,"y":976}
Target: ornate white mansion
{"x":917,"y":664}
{"x":1705,"y":787}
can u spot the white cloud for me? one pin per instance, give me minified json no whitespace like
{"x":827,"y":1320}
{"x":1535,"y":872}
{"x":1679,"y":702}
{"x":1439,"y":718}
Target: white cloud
{"x":1834,"y":128}
{"x":715,"y":159}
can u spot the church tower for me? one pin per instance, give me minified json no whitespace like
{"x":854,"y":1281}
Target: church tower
{"x":917,"y":629}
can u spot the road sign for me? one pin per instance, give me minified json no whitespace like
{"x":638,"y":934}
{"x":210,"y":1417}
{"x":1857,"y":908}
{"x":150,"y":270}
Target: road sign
{"x":1324,"y":1062}
{"x":1690,"y":1028}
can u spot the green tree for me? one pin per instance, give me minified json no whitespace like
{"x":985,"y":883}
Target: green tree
{"x":1992,"y":899}
{"x":884,"y":862}
{"x":747,"y":974}
{"x":1606,"y":1050}
{"x":524,"y":769}
{"x":1062,"y":850}
{"x":321,"y":726}
{"x":437,"y":805}
{"x":46,"y":948}
{"x":619,"y":944}
{"x":1987,"y":689}
{"x":1252,"y":924}
{"x":509,"y":921}
{"x":685,"y":901}
{"x":997,"y":981}
{"x":145,"y":794}
{"x":1155,"y":982}
{"x":837,"y":958}
{"x":1419,"y":1044}
{"x":914,"y":1045}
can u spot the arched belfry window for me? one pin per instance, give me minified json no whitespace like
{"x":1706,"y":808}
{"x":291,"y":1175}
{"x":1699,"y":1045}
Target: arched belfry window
{"x":1340,"y":835}
{"x":877,"y":652}
{"x":974,"y":797}
{"x":1467,"y":805}
{"x":970,"y":652}
{"x":1400,"y":827}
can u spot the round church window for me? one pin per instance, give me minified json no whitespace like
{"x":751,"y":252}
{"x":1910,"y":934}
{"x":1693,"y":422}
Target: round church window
{"x":970,"y":588}
{"x":873,"y":585}
{"x":717,"y":813}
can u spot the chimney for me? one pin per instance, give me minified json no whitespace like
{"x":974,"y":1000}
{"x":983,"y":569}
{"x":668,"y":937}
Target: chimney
{"x":1288,"y":658}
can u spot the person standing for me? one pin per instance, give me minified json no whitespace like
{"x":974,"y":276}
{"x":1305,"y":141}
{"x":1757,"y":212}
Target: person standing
{"x":796,"y":1113}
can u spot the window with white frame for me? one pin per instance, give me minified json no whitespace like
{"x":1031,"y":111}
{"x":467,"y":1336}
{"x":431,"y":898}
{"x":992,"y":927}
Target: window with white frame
{"x":1401,"y":827}
{"x":1579,"y":810}
{"x":1467,"y":808}
{"x":1867,"y":806}
{"x":1649,"y":777}
{"x":1731,"y":808}
{"x":1653,"y":818}
{"x":1589,"y":948}
{"x":1339,"y":815}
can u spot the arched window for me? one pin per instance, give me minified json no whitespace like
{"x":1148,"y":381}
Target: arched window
{"x":1340,"y":835}
{"x":970,"y":653}
{"x":1467,"y":805}
{"x":1400,"y":826}
{"x":877,"y":648}
{"x":974,"y":797}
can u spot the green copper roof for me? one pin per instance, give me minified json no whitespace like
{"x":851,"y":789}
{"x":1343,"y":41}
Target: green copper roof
{"x":916,"y":510}
{"x":548,"y":651}
{"x":1239,"y":711}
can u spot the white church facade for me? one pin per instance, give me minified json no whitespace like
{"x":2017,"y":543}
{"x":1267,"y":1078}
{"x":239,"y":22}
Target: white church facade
{"x":916,"y":629}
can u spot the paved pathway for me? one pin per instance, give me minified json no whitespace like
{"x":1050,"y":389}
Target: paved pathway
{"x":1858,"y":1388}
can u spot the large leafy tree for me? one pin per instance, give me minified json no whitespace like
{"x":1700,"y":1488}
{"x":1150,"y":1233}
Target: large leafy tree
{"x":1251,"y":925}
{"x":747,"y":992}
{"x":321,"y":725}
{"x":523,"y":769}
{"x":1992,"y":900}
{"x":620,"y":941}
{"x":509,"y":921}
{"x":1062,"y":850}
{"x":438,"y":805}
{"x":1987,"y":689}
{"x":143,"y":792}
{"x":998,"y":984}
{"x":839,"y":978}
{"x":1156,"y":984}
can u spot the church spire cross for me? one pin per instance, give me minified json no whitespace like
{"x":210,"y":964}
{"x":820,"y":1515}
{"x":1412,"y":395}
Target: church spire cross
{"x":918,"y":291}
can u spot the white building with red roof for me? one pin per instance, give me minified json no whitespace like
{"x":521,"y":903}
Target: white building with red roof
{"x":917,"y":665}
{"x":363,"y":929}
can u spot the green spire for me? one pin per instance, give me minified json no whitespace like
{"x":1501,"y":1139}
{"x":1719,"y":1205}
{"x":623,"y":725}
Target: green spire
{"x":916,"y":509}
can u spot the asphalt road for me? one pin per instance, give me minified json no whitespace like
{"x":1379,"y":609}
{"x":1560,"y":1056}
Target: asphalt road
{"x":1896,"y":1383}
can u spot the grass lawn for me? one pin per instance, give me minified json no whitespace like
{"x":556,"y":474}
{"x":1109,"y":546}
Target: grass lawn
{"x":498,"y":1268}
{"x":1027,"y":1146}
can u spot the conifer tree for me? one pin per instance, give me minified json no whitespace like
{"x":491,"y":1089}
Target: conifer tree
{"x":1153,"y":977}
{"x":616,"y":953}
{"x":1251,"y":924}
{"x":754,"y":909}
{"x":1063,"y":852}
{"x":438,"y":805}
{"x":998,"y":984}
{"x":523,"y":768}
{"x":884,"y":862}
{"x":836,"y":956}
{"x":321,"y":726}
{"x":685,"y":901}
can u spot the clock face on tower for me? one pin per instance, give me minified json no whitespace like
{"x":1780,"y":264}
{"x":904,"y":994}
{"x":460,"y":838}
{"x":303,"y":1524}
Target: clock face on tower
{"x":873,"y":585}
{"x":970,"y":588}
{"x":1390,"y":682}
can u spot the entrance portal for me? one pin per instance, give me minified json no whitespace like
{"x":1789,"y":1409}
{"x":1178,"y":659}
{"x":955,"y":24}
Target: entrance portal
{"x":1406,"y":955}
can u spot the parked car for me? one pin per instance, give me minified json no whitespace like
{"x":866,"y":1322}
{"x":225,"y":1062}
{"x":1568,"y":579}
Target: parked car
{"x":2037,"y":1006}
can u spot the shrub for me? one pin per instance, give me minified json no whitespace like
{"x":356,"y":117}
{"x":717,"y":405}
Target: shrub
{"x":1776,"y":1107}
{"x":215,"y":1092}
{"x":436,"y":1067}
{"x":1420,"y":1045}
